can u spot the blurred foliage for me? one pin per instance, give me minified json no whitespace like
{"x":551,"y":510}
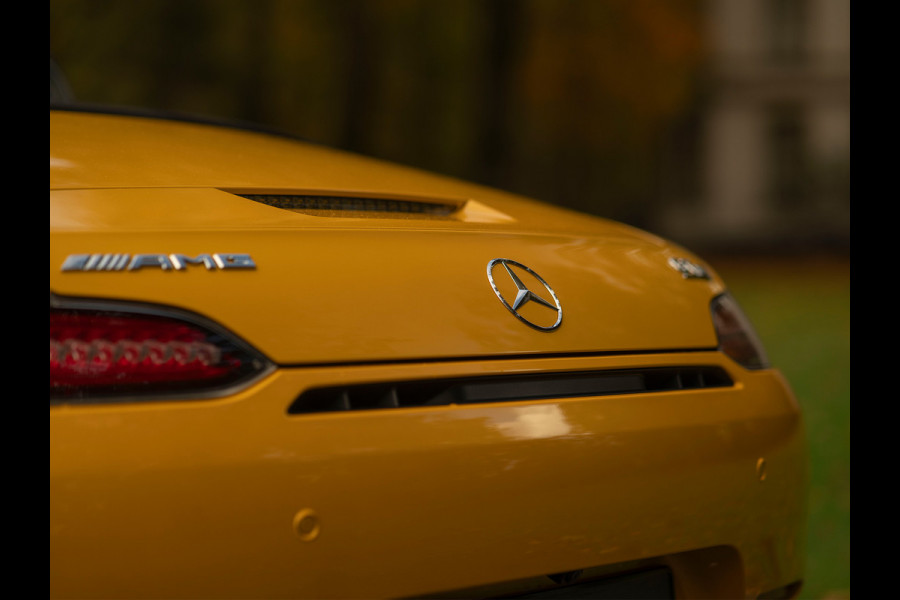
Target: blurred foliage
{"x":564,"y":100}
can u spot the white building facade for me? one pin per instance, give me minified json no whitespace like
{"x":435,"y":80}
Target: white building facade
{"x":771,"y":141}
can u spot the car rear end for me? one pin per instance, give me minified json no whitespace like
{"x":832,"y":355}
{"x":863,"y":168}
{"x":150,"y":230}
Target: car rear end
{"x":279,"y":371}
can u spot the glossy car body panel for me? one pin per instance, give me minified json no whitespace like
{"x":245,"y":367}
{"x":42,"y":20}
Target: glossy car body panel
{"x":389,"y":279}
{"x":200,"y":499}
{"x":234,"y":497}
{"x":352,"y":302}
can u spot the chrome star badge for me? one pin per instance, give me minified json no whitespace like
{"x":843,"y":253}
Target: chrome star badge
{"x":529,"y":306}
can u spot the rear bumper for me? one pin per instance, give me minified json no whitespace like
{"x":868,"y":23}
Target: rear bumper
{"x":238,"y":498}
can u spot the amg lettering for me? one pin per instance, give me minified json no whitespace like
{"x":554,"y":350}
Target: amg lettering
{"x":165,"y":262}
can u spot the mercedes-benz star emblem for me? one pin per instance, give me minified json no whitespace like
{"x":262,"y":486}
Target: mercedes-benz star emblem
{"x":535,"y":304}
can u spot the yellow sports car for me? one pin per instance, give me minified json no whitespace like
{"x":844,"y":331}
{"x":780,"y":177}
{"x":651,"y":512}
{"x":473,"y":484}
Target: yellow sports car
{"x":282,"y":371}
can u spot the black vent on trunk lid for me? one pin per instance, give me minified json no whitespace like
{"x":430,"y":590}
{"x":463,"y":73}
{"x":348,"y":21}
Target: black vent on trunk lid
{"x":544,"y":386}
{"x":349,"y":206}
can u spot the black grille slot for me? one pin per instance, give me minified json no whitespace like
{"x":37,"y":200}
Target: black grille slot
{"x":504,"y":388}
{"x":348,"y":206}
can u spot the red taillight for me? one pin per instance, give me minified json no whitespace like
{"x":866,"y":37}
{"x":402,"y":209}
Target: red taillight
{"x":102,"y":354}
{"x":737,"y":338}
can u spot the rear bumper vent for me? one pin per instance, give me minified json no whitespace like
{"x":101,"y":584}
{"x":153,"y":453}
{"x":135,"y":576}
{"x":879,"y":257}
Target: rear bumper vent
{"x":347,"y":206}
{"x":545,"y":386}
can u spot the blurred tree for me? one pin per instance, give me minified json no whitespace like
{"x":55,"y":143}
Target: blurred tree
{"x":504,"y":21}
{"x":566,"y":100}
{"x":600,"y":86}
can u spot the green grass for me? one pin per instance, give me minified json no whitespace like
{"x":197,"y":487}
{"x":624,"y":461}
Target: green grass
{"x":801,"y":310}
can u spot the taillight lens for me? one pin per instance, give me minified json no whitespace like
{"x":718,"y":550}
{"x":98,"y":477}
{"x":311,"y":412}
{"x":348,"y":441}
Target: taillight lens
{"x":104,"y":354}
{"x":737,"y":338}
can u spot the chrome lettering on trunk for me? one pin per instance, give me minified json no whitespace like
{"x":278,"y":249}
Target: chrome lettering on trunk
{"x":166,"y":262}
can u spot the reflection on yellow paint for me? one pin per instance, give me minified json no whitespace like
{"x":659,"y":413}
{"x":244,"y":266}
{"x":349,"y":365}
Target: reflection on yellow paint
{"x":527,"y":422}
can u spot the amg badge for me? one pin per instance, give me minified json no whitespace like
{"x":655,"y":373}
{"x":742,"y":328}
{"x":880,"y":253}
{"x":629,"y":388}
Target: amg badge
{"x":166,"y":262}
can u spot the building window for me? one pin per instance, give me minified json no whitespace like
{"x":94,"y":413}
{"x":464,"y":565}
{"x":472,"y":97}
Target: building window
{"x":787,"y":39}
{"x":788,"y":156}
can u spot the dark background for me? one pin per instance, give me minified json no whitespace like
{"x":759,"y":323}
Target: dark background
{"x":622,"y":108}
